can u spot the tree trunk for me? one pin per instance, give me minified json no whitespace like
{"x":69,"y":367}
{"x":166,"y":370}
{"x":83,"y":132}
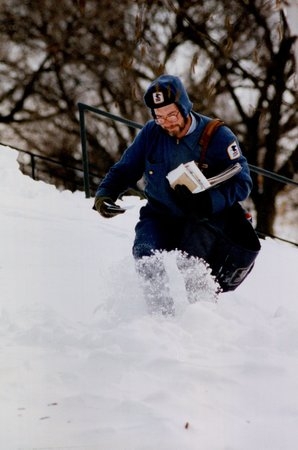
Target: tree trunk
{"x":264,"y":200}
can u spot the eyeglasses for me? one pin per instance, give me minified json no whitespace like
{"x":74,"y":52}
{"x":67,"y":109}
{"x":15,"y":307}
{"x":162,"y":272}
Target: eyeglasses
{"x":172,"y":118}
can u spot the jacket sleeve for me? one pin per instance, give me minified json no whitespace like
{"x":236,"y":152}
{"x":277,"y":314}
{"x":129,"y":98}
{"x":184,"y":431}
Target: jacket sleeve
{"x":223,"y":152}
{"x":127,"y":171}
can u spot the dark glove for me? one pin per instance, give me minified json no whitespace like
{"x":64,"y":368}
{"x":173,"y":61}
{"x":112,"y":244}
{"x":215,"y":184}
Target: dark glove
{"x":106,"y":207}
{"x":198,"y":204}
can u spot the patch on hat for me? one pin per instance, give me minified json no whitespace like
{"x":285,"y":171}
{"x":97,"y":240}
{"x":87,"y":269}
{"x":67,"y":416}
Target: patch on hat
{"x":234,"y":151}
{"x":158,"y":97}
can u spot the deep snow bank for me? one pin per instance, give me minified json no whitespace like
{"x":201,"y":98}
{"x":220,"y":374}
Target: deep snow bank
{"x":84,"y":366}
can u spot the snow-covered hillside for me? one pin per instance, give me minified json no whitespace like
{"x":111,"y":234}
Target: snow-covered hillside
{"x":82,"y":364}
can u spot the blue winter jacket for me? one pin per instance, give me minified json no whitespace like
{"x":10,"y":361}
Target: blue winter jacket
{"x":153,"y":154}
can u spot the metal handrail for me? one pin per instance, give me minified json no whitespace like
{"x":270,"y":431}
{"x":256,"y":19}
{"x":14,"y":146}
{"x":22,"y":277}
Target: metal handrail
{"x":33,"y":156}
{"x":85,"y":170}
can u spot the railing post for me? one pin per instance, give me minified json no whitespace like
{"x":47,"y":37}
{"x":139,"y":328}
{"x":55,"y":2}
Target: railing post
{"x":84,"y":150}
{"x":32,"y":158}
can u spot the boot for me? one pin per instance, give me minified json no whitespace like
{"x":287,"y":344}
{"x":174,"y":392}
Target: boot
{"x":199,"y":284}
{"x":155,"y":284}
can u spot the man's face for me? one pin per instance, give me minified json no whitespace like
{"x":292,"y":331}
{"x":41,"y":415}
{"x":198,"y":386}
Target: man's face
{"x":170,"y":119}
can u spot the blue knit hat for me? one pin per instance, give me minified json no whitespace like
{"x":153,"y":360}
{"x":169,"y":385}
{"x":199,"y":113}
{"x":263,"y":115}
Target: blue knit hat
{"x":165,"y":90}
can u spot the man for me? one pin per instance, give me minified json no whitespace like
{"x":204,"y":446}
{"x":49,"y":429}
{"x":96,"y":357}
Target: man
{"x":175,"y":218}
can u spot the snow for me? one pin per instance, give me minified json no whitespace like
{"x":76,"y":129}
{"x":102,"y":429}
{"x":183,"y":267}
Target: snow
{"x":83,"y":364}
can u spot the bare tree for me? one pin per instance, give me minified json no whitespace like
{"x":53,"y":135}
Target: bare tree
{"x":235,"y":56}
{"x":54,"y":57}
{"x":248,"y":77}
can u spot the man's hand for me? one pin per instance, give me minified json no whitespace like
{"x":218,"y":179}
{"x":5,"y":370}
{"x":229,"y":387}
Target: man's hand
{"x":106,"y":207}
{"x":199,"y":204}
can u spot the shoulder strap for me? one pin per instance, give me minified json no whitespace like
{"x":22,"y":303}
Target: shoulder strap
{"x":206,"y":136}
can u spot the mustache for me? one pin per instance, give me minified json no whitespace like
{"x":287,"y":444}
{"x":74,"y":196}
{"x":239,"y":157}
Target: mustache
{"x":176,"y":129}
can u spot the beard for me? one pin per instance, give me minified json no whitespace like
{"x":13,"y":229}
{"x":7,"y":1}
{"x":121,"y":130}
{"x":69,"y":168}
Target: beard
{"x":177,"y":129}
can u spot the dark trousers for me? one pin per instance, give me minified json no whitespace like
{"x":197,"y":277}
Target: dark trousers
{"x":158,"y":232}
{"x":227,"y":243}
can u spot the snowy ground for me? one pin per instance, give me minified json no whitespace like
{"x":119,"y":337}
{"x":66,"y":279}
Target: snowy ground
{"x":82,"y":364}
